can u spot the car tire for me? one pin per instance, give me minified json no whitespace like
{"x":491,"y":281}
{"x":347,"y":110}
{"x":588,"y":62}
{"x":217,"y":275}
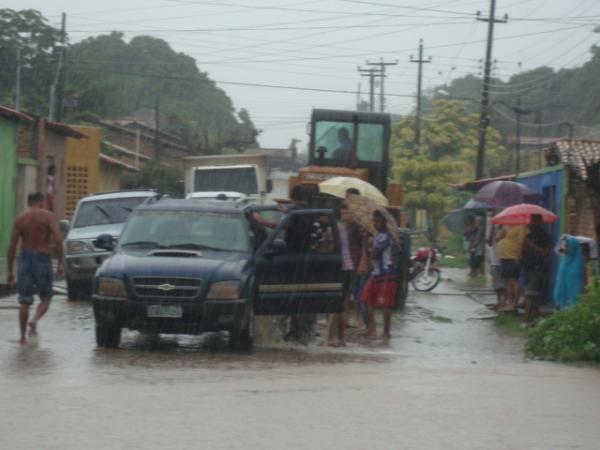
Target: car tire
{"x":241,"y":337}
{"x":108,"y":336}
{"x":78,"y":289}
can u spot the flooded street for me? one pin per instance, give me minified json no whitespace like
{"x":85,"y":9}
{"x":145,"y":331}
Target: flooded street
{"x":447,"y":380}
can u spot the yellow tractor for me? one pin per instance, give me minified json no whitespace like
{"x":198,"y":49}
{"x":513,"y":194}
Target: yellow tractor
{"x":351,"y":144}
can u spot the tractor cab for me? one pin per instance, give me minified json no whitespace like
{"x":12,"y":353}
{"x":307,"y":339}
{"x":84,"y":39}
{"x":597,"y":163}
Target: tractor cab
{"x":348,"y":143}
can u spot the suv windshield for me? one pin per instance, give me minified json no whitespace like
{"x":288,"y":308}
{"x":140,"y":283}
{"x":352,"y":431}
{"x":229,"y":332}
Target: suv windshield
{"x":103,"y":212}
{"x":189,"y":230}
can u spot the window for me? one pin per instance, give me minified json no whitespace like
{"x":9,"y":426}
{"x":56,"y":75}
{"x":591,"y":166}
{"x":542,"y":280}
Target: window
{"x":239,"y":179}
{"x":103,"y":212}
{"x":334,"y":139}
{"x":189,"y":230}
{"x":370,"y":142}
{"x":308,"y":234}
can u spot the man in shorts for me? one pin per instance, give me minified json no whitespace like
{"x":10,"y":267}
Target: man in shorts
{"x":536,"y":248}
{"x":35,"y":229}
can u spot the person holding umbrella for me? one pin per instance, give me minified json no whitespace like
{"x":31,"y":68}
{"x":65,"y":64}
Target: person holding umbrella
{"x":536,"y":248}
{"x":517,"y":244}
{"x":509,"y":248}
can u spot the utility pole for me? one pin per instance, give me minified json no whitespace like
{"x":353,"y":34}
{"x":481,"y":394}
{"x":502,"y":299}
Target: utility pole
{"x":420,"y":61}
{"x":157,"y":141}
{"x":382,"y":64}
{"x":61,"y":78}
{"x":59,"y":71}
{"x":518,"y":111}
{"x":371,"y":73}
{"x":18,"y":80}
{"x":484,"y":117}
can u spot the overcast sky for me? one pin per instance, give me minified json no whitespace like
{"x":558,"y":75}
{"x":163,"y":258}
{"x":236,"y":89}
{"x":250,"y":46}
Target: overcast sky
{"x":319,"y":44}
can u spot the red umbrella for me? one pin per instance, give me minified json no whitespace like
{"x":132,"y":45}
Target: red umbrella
{"x":521,"y":215}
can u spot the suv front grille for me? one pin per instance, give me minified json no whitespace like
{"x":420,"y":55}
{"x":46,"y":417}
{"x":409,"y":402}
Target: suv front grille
{"x":166,"y":287}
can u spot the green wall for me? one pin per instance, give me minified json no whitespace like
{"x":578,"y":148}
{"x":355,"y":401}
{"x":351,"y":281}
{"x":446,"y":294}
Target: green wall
{"x":8,"y":187}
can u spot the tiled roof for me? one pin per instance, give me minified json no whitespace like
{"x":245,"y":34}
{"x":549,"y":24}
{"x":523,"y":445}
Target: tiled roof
{"x":581,"y":155}
{"x":14,"y":115}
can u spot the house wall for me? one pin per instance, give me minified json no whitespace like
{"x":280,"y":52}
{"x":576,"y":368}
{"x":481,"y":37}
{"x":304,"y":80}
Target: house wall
{"x":26,"y":141}
{"x":55,"y":146}
{"x":581,"y":210}
{"x":110,"y":177}
{"x":83,"y":166}
{"x":8,"y":168}
{"x":27,"y":171}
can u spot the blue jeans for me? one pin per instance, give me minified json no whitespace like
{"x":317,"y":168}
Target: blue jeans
{"x":361,"y":280}
{"x":34,"y":274}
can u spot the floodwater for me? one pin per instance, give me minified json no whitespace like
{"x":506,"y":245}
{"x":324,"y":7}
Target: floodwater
{"x":448,"y":380}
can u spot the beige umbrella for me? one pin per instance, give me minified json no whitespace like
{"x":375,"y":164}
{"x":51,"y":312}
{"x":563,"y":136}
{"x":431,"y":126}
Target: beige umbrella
{"x":363,"y":208}
{"x":337,"y":186}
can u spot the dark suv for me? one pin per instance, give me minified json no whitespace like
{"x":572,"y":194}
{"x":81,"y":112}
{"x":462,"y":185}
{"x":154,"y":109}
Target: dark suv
{"x":188,"y":267}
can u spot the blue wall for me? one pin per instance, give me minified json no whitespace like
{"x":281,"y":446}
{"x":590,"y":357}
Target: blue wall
{"x":549,"y":183}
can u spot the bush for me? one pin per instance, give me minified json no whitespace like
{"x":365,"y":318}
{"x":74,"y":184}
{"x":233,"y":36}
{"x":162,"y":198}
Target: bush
{"x":572,"y":334}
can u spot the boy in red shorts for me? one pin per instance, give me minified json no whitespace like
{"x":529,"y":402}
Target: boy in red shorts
{"x":380,"y":290}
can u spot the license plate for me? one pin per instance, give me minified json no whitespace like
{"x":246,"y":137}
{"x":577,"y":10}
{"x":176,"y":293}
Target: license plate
{"x":174,"y":312}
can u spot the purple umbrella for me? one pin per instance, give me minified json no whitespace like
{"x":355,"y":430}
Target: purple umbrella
{"x":474,"y":204}
{"x":502,"y":194}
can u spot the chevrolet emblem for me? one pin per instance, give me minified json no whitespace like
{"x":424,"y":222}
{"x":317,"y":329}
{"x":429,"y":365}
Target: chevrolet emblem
{"x":166,"y":287}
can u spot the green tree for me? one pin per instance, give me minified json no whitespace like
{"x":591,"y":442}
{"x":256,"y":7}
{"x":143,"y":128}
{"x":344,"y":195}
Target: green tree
{"x":29,"y":32}
{"x":427,"y":185}
{"x":447,"y":156}
{"x":112,"y":77}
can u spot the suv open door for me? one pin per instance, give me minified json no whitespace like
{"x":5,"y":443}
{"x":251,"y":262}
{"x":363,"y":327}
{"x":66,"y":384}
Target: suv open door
{"x":298,"y":269}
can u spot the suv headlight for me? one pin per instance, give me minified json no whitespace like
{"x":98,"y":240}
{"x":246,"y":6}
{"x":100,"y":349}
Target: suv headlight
{"x":224,"y":290}
{"x":72,"y":247}
{"x":112,"y":287}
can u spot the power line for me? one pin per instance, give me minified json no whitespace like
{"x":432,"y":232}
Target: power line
{"x":236,"y":83}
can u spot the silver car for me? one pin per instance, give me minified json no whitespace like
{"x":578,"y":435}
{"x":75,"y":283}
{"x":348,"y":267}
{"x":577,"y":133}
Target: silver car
{"x":95,"y":214}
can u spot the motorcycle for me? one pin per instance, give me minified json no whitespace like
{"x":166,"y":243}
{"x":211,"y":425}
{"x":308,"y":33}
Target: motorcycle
{"x":424,"y":275}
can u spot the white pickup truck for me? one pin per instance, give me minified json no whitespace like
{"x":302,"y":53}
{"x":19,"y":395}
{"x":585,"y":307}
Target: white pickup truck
{"x":246,"y":174}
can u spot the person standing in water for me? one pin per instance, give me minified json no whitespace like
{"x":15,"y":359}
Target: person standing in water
{"x":36,"y":230}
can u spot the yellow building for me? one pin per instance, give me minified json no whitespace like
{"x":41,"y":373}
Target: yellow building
{"x":83,"y":166}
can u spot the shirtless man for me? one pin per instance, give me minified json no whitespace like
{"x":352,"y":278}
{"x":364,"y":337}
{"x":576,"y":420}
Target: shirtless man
{"x":36,"y":229}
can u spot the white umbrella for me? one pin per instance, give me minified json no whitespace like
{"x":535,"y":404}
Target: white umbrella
{"x":337,"y":186}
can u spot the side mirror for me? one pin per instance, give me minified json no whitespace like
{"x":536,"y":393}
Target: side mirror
{"x":105,"y":242}
{"x":277,"y":247}
{"x":64,"y":226}
{"x":269,"y":185}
